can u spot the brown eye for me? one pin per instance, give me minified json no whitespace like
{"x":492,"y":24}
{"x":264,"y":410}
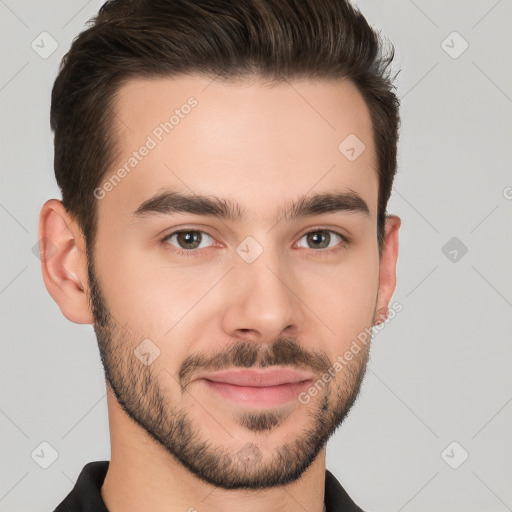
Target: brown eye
{"x":322,"y":239}
{"x":189,"y":240}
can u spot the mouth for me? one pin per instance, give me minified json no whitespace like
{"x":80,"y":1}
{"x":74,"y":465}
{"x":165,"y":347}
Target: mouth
{"x":262,"y":388}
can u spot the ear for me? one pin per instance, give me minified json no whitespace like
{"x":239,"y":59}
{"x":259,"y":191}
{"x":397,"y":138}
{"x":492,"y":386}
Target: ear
{"x":387,"y":273}
{"x":64,"y":262}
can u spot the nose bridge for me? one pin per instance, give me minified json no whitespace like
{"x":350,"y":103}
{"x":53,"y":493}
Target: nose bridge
{"x":263,"y":300}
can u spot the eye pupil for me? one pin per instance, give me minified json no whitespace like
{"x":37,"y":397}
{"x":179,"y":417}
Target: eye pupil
{"x":319,"y":239}
{"x":189,"y":237}
{"x":190,"y":240}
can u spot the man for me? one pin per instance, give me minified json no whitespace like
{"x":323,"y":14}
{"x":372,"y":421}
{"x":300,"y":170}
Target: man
{"x":225,"y":169}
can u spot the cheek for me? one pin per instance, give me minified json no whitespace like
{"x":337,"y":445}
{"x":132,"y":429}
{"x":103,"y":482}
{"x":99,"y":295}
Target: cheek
{"x":344,"y":296}
{"x":159,"y":299}
{"x":149,"y":294}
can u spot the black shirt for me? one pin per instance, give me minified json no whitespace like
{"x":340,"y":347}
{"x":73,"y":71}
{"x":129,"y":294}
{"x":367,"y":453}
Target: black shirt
{"x":86,"y":494}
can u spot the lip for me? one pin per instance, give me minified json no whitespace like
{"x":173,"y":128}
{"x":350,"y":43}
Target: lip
{"x":258,"y":378}
{"x":258,"y":388}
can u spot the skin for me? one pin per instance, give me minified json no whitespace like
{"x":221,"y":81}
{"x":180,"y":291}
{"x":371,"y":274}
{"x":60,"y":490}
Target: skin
{"x":176,"y":444}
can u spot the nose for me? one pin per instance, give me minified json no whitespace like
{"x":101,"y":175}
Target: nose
{"x":264,"y":300}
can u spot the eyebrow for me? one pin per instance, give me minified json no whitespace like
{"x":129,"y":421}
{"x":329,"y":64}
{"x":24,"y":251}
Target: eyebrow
{"x":169,"y":202}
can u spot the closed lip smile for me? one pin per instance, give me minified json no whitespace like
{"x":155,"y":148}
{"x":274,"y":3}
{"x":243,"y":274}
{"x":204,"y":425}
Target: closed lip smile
{"x":258,"y":378}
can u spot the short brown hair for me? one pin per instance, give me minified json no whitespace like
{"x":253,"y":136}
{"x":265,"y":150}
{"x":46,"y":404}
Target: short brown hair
{"x":273,"y":40}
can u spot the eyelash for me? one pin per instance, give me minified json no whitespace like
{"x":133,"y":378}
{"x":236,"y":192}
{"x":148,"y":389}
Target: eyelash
{"x":195,"y":252}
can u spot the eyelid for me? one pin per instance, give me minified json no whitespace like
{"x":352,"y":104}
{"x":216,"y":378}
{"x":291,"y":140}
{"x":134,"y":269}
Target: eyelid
{"x":337,"y":230}
{"x":190,"y":252}
{"x":340,"y":246}
{"x":186,"y":252}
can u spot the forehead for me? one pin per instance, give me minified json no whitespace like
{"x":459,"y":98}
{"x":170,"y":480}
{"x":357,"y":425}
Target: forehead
{"x":241,"y":140}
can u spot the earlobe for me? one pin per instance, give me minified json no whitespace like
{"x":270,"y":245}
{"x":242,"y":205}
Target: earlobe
{"x":387,"y":272}
{"x":381,"y":316}
{"x":63,"y":261}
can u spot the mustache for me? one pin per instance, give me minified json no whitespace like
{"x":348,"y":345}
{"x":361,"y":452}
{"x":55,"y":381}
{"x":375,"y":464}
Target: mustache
{"x":243,"y":354}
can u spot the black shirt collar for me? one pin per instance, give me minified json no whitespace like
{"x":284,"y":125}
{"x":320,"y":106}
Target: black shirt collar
{"x":86,"y":494}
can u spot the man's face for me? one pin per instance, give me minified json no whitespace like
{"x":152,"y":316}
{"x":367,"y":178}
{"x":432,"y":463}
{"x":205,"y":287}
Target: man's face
{"x":264,"y":291}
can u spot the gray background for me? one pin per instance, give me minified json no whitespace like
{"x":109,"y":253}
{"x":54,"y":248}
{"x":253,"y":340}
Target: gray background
{"x":439,"y":371}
